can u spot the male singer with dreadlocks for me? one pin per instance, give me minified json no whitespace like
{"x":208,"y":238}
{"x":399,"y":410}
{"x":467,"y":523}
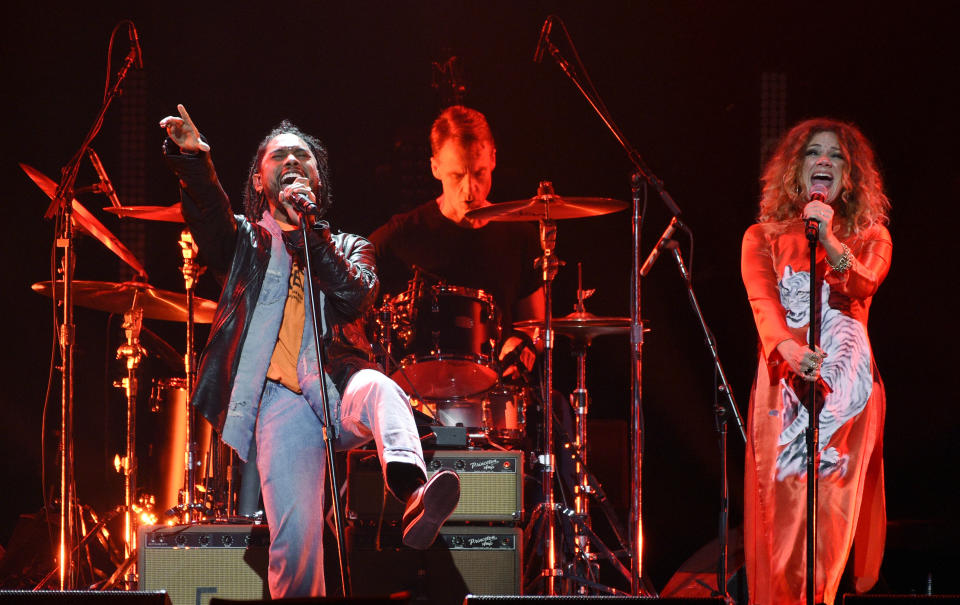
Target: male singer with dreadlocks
{"x":258,"y":381}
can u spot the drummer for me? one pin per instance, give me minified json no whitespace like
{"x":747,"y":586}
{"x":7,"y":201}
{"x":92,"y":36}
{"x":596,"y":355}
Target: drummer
{"x":439,"y":240}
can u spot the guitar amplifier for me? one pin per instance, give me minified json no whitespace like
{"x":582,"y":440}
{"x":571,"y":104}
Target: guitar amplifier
{"x":195,"y":563}
{"x":463,"y":560}
{"x":491,"y":485}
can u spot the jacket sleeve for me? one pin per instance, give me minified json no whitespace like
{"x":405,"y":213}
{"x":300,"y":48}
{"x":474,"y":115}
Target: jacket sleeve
{"x":206,"y":207}
{"x":870,"y":266}
{"x":344,"y":267}
{"x":760,"y":280}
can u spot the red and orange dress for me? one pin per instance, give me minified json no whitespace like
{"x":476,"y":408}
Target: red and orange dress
{"x":775,"y":265}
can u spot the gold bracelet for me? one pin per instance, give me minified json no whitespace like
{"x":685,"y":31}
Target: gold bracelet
{"x":845,"y":262}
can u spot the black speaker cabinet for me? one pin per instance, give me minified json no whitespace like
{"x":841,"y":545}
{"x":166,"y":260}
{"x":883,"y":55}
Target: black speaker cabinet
{"x":491,"y":485}
{"x":195,"y":563}
{"x":83,"y":597}
{"x":478,"y":560}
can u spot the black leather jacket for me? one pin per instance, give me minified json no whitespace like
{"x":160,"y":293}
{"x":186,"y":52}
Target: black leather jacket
{"x":343,"y":266}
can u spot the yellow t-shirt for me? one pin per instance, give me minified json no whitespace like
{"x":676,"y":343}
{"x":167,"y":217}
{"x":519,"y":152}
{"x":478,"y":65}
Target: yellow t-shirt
{"x":283,"y":364}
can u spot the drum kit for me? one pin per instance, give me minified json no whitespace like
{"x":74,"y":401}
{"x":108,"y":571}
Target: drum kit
{"x":180,"y":448}
{"x":439,"y":343}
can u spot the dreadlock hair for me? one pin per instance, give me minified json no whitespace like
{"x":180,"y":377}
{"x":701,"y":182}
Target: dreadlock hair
{"x":862,"y":202}
{"x":254,"y":202}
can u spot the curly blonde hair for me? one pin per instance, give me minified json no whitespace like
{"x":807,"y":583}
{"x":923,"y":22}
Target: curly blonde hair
{"x":863,"y":202}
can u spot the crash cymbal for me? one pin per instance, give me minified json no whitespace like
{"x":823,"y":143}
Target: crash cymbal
{"x":122,"y":297}
{"x":581,"y":325}
{"x":547,"y":207}
{"x":170,"y":214}
{"x":86,"y":221}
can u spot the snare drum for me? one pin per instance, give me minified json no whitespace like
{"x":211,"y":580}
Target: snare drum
{"x":446,"y":337}
{"x":499,"y":414}
{"x":504,"y":413}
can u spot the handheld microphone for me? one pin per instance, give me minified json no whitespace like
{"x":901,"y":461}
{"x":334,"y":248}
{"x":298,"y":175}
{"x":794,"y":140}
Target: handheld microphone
{"x":301,"y":202}
{"x":818,"y":193}
{"x":667,"y":234}
{"x":542,"y":41}
{"x":105,"y":186}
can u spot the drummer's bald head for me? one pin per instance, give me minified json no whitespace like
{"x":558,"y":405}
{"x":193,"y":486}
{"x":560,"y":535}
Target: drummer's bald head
{"x":461,"y":124}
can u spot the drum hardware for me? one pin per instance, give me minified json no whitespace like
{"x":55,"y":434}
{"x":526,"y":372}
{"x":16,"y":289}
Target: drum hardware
{"x":546,"y":208}
{"x":640,"y":179}
{"x":191,"y":271}
{"x":83,"y":219}
{"x":135,"y":301}
{"x":132,"y":353}
{"x":580,"y":327}
{"x":70,"y":214}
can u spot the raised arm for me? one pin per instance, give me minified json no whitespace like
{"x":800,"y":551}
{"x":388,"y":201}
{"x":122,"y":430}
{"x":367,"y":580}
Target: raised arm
{"x":206,"y":207}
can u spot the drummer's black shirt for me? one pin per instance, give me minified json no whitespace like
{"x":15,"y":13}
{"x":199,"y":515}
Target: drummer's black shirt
{"x":497,"y":258}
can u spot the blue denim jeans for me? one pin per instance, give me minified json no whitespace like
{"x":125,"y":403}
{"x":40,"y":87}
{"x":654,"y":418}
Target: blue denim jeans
{"x":291,"y":460}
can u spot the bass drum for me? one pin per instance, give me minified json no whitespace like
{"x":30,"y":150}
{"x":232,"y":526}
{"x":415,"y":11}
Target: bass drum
{"x":445,"y":337}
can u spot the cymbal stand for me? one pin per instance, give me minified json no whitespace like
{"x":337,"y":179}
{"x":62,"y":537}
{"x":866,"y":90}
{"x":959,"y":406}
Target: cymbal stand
{"x":132,"y":352}
{"x":191,"y":271}
{"x":62,"y":204}
{"x":547,"y":509}
{"x":65,"y":239}
{"x":641,"y":177}
{"x":586,"y":484}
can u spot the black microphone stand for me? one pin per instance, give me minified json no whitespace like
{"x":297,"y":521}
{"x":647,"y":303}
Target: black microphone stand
{"x":327,"y":434}
{"x":641,"y":177}
{"x":63,"y":204}
{"x":813,"y":430}
{"x":722,"y":414}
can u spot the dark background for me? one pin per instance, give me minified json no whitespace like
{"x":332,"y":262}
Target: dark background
{"x":683,"y":82}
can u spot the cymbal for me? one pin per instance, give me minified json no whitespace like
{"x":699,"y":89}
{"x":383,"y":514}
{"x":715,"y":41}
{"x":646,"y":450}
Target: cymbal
{"x":547,"y":207}
{"x":86,"y":221}
{"x":122,"y":297}
{"x":170,"y":214}
{"x":580,"y":325}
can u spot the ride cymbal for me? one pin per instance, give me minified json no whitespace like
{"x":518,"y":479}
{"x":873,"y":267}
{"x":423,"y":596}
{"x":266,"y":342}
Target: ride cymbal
{"x":580,"y":325}
{"x":170,"y":214}
{"x":122,"y":297}
{"x":547,"y":207}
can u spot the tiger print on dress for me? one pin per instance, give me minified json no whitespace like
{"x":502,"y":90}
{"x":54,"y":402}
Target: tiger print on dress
{"x":847,"y":370}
